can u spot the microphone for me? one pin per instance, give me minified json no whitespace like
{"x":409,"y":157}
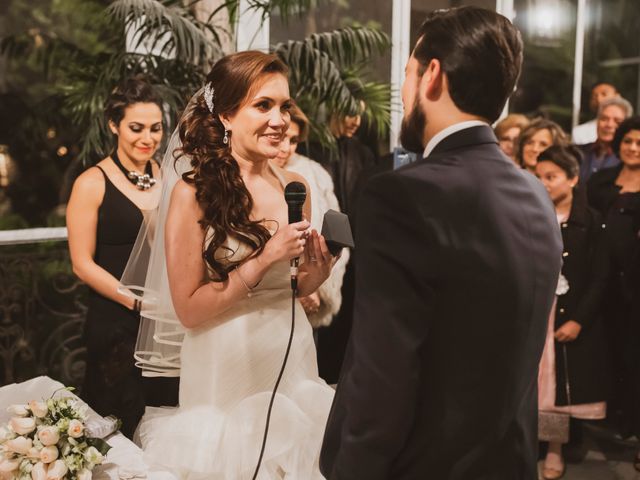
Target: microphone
{"x":295,"y":194}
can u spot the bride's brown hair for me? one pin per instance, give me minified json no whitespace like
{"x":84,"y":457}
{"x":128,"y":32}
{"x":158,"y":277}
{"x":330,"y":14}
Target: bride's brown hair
{"x":220,"y":191}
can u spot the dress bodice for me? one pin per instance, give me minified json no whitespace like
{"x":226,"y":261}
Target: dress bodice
{"x":234,"y":251}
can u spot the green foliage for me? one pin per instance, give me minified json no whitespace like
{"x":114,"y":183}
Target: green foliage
{"x":175,"y":49}
{"x":327,"y":72}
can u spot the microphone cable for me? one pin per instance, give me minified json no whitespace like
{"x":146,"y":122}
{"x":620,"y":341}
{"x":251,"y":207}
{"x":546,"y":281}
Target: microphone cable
{"x":275,"y":389}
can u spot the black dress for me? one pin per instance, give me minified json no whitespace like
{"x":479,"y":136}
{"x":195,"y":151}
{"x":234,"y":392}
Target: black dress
{"x":113,"y":385}
{"x":622,"y":298}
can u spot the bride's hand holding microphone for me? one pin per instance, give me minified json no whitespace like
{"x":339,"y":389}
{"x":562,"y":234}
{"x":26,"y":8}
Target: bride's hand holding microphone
{"x":288,"y":243}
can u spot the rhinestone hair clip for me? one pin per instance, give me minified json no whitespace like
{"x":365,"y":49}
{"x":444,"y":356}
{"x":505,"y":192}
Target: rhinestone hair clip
{"x":208,"y":96}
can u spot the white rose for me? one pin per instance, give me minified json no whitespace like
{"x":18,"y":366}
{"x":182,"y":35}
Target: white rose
{"x":18,"y":410}
{"x":39,"y":471}
{"x":49,"y":454}
{"x":9,"y":465}
{"x":6,"y":434}
{"x":76,"y":429}
{"x":57,"y":470}
{"x":92,"y":455}
{"x":39,"y":409}
{"x":84,"y":474}
{"x":49,"y":436}
{"x":20,"y":445}
{"x":34,"y":453}
{"x":22,"y":426}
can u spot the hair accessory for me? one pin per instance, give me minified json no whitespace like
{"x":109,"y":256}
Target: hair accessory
{"x":208,"y":96}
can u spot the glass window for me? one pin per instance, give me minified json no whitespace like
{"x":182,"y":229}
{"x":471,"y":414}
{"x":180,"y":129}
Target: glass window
{"x":612,"y":50}
{"x":546,"y":84}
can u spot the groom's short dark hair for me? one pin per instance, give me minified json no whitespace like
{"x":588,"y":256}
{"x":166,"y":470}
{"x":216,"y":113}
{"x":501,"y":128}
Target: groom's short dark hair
{"x":481,"y":53}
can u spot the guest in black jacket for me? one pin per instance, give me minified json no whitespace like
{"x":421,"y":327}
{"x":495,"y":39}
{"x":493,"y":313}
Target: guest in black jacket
{"x":572,"y":376}
{"x":615,"y":192}
{"x":345,"y":167}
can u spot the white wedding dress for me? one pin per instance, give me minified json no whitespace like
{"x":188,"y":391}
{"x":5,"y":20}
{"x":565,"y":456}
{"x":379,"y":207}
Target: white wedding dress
{"x":227,"y":375}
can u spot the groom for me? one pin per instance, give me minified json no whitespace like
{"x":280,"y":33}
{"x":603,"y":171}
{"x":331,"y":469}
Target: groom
{"x":458,"y":261}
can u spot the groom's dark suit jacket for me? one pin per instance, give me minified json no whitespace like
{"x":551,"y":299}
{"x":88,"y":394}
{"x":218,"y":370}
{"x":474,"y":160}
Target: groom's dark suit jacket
{"x":457,"y":265}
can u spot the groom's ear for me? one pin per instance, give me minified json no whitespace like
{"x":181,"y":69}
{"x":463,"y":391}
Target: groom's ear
{"x":433,"y":79}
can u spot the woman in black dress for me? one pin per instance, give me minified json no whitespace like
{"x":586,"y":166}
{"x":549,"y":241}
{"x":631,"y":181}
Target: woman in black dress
{"x":572,"y":373}
{"x":616,"y":193}
{"x":104,"y":215}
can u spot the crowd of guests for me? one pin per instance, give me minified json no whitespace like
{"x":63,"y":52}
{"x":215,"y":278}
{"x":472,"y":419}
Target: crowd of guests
{"x":590,"y":367}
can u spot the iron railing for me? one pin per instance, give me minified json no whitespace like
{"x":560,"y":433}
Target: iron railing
{"x":42,"y":308}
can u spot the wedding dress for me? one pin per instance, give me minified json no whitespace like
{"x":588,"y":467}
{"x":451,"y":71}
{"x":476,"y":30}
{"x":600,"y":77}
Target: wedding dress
{"x":227,"y":370}
{"x":227,"y":375}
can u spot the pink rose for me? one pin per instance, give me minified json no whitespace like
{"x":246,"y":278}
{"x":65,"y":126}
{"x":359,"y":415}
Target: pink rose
{"x":22,"y":426}
{"x":76,"y":429}
{"x":20,"y":445}
{"x":49,"y":436}
{"x":49,"y":454}
{"x":34,"y":453}
{"x":39,"y":409}
{"x":7,"y":466}
{"x":39,"y":471}
{"x":56,"y":470}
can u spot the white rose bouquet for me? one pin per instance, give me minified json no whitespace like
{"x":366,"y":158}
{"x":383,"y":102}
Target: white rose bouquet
{"x":47,"y":441}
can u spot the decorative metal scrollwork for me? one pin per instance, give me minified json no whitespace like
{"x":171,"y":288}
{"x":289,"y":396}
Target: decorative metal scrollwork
{"x":42,"y":312}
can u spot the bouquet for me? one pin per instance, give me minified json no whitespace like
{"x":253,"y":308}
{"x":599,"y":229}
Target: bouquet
{"x":48,"y":441}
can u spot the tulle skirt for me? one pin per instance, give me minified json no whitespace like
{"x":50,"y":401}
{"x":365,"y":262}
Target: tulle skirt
{"x":200,"y":443}
{"x":228,"y":373}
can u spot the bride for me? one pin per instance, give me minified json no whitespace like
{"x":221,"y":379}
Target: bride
{"x":216,"y":294}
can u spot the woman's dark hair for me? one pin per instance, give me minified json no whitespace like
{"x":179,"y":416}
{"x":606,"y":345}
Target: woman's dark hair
{"x":567,"y":157}
{"x":558,"y":137}
{"x":631,"y":123}
{"x":220,"y":191}
{"x":481,"y":53}
{"x":299,"y":118}
{"x":132,"y":90}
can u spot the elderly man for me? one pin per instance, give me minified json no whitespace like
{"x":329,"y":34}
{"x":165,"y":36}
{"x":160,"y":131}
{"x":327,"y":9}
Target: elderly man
{"x":599,"y":155}
{"x":587,"y":132}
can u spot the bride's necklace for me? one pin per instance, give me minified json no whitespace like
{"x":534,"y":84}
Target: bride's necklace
{"x":144,"y":181}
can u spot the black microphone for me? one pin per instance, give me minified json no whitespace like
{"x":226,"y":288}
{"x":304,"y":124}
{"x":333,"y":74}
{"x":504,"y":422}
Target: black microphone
{"x":295,"y":193}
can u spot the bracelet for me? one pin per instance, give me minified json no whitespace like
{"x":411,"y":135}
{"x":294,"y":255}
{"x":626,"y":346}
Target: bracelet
{"x":249,"y":289}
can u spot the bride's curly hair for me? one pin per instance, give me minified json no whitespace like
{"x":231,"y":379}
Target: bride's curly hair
{"x":220,"y":191}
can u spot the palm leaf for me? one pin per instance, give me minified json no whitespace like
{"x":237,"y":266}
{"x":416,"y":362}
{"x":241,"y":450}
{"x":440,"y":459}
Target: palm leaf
{"x":170,"y":27}
{"x":350,"y":46}
{"x":285,"y":9}
{"x":327,"y":74}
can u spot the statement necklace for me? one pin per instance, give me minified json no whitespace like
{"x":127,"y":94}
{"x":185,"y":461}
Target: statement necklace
{"x":144,"y":181}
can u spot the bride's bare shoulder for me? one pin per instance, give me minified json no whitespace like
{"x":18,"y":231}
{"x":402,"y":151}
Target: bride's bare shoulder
{"x":183,"y":196}
{"x":184,"y":191}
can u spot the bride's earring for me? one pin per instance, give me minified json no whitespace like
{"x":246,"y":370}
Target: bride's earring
{"x":225,"y":140}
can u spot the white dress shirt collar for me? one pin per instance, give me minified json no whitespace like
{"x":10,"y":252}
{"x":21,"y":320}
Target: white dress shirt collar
{"x":450,"y":130}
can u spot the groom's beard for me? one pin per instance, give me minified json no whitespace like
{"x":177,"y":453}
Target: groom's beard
{"x":412,"y":129}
